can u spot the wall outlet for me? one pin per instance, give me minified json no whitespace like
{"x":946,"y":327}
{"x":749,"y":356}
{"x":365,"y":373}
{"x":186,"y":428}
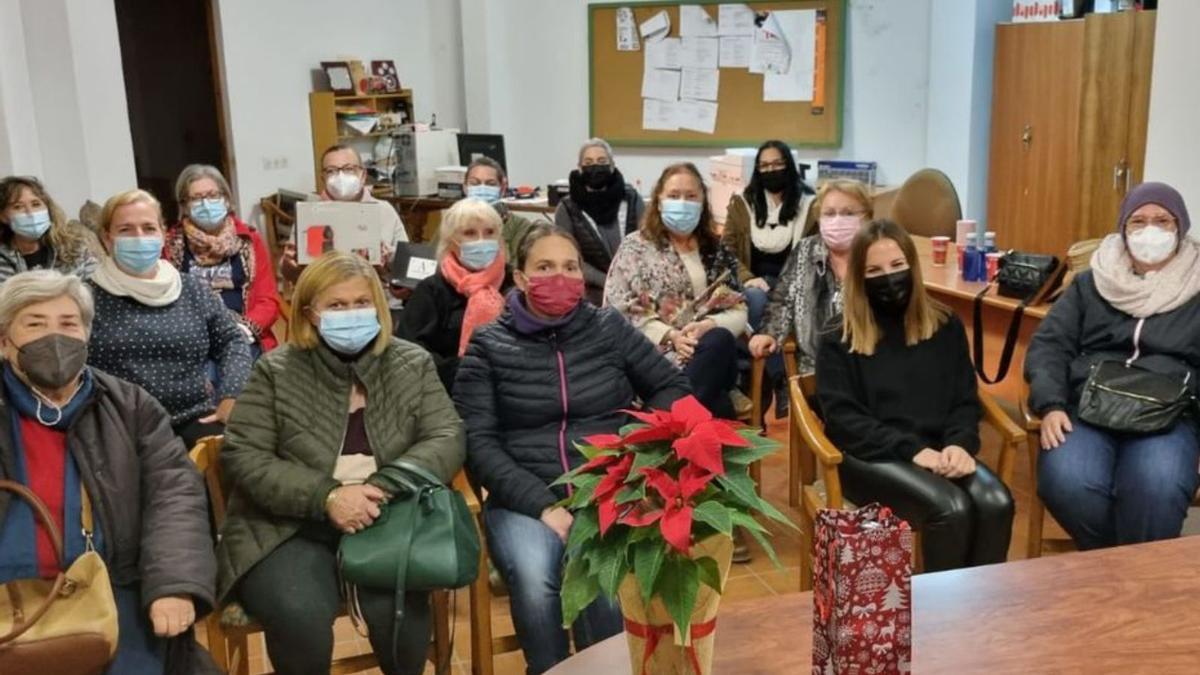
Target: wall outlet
{"x":274,"y":163}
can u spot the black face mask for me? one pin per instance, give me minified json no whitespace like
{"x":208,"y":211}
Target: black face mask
{"x":889,"y":294}
{"x":596,"y":175}
{"x":773,"y":181}
{"x":52,"y":361}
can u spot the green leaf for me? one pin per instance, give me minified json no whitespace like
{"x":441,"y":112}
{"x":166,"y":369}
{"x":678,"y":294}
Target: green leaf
{"x":630,"y":428}
{"x":644,"y":458}
{"x":714,"y":514}
{"x":741,"y":486}
{"x":648,"y":558}
{"x":584,"y":530}
{"x":585,"y":490}
{"x":746,"y":456}
{"x":677,"y":586}
{"x":759,"y":533}
{"x":579,"y":589}
{"x":591,"y":452}
{"x":631,"y":493}
{"x":609,"y":563}
{"x":641,"y":534}
{"x":710,"y":573}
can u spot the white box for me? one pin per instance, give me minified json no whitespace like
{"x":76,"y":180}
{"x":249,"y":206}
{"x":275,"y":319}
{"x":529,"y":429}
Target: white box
{"x":418,"y":155}
{"x":450,"y":181}
{"x":353,"y":227}
{"x":728,"y":176}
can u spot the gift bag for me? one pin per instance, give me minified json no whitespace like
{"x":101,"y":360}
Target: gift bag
{"x":862,"y":572}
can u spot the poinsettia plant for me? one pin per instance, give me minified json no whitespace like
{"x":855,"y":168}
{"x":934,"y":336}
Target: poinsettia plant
{"x":646,"y":496}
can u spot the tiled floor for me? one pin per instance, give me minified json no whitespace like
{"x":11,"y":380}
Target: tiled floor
{"x":756,"y":579}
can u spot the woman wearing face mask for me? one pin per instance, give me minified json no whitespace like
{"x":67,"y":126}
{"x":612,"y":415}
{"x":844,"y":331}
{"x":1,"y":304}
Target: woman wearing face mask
{"x":213,"y":245}
{"x":552,"y":370}
{"x":34,"y":233}
{"x":465,"y":291}
{"x":809,"y":291}
{"x":160,"y":329}
{"x":898,"y":395}
{"x":600,"y":210}
{"x":486,"y":181}
{"x":67,"y":428}
{"x":318,"y":418}
{"x":678,"y":284}
{"x":1139,"y":302}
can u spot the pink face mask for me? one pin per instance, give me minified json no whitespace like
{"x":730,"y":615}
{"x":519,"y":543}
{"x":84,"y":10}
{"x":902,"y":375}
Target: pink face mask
{"x":839,"y":231}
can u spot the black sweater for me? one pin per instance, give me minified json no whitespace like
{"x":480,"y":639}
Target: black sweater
{"x":902,"y":399}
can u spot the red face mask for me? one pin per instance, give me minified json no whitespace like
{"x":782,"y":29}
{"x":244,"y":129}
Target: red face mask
{"x":554,"y":294}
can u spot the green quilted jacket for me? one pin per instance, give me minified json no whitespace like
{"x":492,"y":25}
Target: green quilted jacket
{"x":285,"y":435}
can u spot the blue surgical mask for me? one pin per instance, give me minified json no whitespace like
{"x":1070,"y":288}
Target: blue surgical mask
{"x":137,"y":255}
{"x":209,"y":213}
{"x":31,"y":225}
{"x":680,"y":215}
{"x":487,"y":193}
{"x":478,"y":254}
{"x":349,"y":331}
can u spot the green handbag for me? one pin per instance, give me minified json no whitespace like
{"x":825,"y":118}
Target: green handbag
{"x":423,"y":540}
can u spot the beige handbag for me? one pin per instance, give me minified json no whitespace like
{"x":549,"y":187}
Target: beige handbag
{"x":65,"y":626}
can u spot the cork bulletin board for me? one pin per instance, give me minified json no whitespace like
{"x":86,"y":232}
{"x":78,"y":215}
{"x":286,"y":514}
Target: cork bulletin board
{"x":743,"y":116}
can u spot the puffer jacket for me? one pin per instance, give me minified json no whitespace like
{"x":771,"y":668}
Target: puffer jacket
{"x":1082,"y":329}
{"x":526,"y":399}
{"x":148,"y":498}
{"x":285,"y":435}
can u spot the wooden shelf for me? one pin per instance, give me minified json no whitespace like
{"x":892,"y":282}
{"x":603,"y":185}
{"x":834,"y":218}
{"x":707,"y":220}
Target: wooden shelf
{"x":326,"y":125}
{"x":403,"y":93}
{"x":373,"y":134}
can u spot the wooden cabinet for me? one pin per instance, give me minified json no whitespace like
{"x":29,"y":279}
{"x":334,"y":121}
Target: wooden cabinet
{"x":324,"y":109}
{"x":1070,"y":102}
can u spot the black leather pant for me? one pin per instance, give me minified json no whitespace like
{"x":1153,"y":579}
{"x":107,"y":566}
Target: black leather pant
{"x":963,"y":522}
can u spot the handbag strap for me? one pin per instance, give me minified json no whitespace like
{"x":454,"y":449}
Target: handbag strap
{"x":1010,"y":339}
{"x":43,"y":515}
{"x":407,"y":512}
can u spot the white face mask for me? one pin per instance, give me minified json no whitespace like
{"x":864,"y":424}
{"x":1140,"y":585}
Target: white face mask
{"x":343,"y":186}
{"x":1151,"y":245}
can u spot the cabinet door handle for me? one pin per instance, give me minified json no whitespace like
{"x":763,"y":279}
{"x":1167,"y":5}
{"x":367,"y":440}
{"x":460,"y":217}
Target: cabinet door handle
{"x":1119,"y":175}
{"x":1027,"y":135}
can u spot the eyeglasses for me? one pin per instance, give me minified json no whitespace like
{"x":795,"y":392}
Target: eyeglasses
{"x":843,"y":212}
{"x":1162,"y":222}
{"x":334,"y":170}
{"x":772,"y":166}
{"x":208,"y":195}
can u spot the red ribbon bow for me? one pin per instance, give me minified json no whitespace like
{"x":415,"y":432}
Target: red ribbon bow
{"x":653,"y":634}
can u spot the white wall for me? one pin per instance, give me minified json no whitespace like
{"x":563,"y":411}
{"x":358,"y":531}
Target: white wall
{"x":269,"y":48}
{"x":532,"y":86}
{"x":62,"y":99}
{"x":1172,"y":144}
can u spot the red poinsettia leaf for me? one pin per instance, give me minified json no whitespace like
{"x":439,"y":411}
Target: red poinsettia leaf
{"x":639,"y":518}
{"x":676,"y":527}
{"x":702,"y":448}
{"x":614,"y":479}
{"x":688,"y":411}
{"x":724,"y":433}
{"x":654,"y":417}
{"x":662,"y":483}
{"x":649,"y":435}
{"x":597,"y":462}
{"x":608,"y":515}
{"x":692,"y":481}
{"x":604,"y":441}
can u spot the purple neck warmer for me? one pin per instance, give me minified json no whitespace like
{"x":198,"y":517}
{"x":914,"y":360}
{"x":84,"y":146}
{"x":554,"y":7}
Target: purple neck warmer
{"x":525,"y":322}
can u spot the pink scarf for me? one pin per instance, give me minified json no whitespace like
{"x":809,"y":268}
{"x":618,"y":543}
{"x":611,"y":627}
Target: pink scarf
{"x":482,"y":290}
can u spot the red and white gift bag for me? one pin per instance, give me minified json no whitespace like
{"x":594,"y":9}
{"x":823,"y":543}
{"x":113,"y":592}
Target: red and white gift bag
{"x":862,"y":612}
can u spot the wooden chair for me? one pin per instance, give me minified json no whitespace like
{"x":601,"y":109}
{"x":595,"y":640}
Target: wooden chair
{"x":229,"y":628}
{"x":818,"y":454}
{"x":757,"y":373}
{"x":485,"y":646}
{"x":927,"y":204}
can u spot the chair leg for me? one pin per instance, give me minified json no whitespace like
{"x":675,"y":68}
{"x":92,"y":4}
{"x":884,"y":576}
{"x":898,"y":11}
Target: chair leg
{"x":216,"y":640}
{"x":239,"y":653}
{"x":806,"y":551}
{"x":794,"y":474}
{"x":441,"y":631}
{"x":1037,"y":510}
{"x":481,"y":619}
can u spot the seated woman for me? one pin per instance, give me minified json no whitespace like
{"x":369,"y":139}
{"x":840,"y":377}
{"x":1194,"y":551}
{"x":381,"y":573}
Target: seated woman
{"x":318,"y":417}
{"x":809,"y":292}
{"x":553,"y":370}
{"x":599,"y":211}
{"x":149,"y":507}
{"x":465,"y":291}
{"x":676,"y":282}
{"x":158,"y":328}
{"x":34,"y":233}
{"x":1140,"y":302}
{"x":898,"y":394}
{"x":213,"y":245}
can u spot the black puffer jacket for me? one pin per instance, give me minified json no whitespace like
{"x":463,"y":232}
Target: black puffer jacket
{"x":1082,"y":328}
{"x":509,"y":392}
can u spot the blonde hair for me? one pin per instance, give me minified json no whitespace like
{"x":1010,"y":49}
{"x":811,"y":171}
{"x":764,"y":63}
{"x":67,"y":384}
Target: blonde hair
{"x":463,"y":213}
{"x":331,"y":269}
{"x":856,"y":190}
{"x":70,"y":241}
{"x":126,"y":198}
{"x":924,"y":315}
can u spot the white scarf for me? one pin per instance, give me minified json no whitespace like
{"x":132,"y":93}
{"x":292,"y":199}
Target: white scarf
{"x":1141,"y":296}
{"x":774,"y":239}
{"x":160,"y":291}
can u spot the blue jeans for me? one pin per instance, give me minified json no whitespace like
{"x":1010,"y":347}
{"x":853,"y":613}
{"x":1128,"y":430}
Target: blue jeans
{"x":139,"y":651}
{"x":1108,"y":489}
{"x":529,"y":555}
{"x":756,"y":308}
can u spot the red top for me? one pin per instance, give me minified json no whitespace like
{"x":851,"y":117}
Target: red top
{"x":45,"y":468}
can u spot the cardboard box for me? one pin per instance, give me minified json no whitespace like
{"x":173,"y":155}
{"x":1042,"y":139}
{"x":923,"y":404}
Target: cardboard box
{"x":728,"y":175}
{"x":353,"y":227}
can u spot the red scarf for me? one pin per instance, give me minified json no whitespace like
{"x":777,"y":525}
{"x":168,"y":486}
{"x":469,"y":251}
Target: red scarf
{"x":482,"y":290}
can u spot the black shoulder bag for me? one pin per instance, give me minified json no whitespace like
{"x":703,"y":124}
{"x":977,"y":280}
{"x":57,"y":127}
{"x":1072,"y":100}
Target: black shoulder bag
{"x":1028,"y":276}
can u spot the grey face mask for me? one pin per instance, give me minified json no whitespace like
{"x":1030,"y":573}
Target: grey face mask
{"x":52,"y":361}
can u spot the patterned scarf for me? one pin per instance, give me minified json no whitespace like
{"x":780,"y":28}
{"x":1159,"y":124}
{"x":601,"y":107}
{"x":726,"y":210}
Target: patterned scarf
{"x":482,"y":290}
{"x":215,"y":248}
{"x":1144,"y":296}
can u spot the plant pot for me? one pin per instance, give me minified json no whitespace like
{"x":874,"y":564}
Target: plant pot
{"x":655,"y":645}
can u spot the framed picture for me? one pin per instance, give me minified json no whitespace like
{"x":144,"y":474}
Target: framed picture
{"x":387,"y":71}
{"x":340,"y":80}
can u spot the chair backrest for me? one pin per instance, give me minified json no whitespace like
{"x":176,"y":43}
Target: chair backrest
{"x":207,"y":457}
{"x":927,"y":205}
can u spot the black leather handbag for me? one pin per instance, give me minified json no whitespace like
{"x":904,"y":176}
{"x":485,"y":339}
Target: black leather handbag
{"x":1028,"y":276}
{"x":1125,"y":398}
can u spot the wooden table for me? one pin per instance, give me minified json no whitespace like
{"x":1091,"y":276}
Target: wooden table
{"x":1132,"y":609}
{"x":418,"y":212}
{"x":946,"y":284}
